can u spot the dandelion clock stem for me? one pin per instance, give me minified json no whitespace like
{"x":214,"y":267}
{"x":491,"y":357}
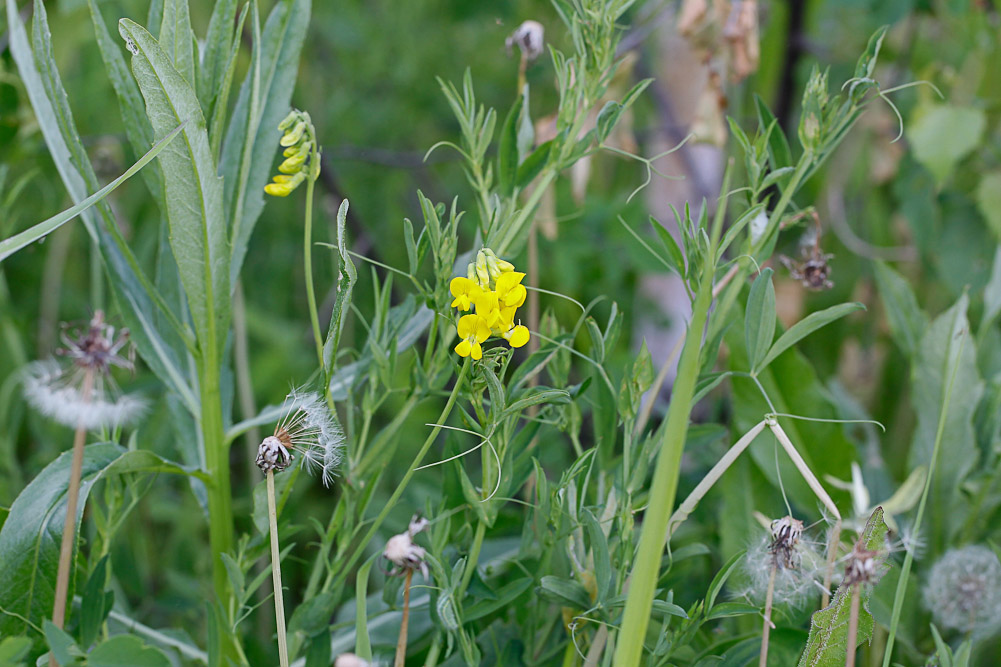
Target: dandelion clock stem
{"x":69,"y":527}
{"x":767,"y":627}
{"x":276,"y":572}
{"x":401,"y":643}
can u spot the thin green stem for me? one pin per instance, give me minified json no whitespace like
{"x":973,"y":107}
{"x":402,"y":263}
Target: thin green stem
{"x":509,"y":233}
{"x":474,"y":557}
{"x":276,"y":573}
{"x":307,"y":263}
{"x":401,"y":487}
{"x":905,"y":571}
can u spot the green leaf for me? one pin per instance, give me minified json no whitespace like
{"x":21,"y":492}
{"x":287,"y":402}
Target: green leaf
{"x":807,"y":326}
{"x":363,"y":644}
{"x":609,"y":115}
{"x":61,"y":645}
{"x":992,"y":292}
{"x":345,"y":284}
{"x":192,"y":189}
{"x":95,"y":603}
{"x":675,"y":258}
{"x":866,"y":65}
{"x":133,"y":290}
{"x":827,"y":644}
{"x":533,"y":164}
{"x":536,"y":396}
{"x":943,"y":134}
{"x":599,"y":553}
{"x":126,"y":651}
{"x":176,"y":38}
{"x":507,"y":151}
{"x":22,"y":239}
{"x":989,"y":200}
{"x":13,"y":650}
{"x":313,"y":615}
{"x":130,"y":101}
{"x":251,"y":142}
{"x":759,"y":319}
{"x":503,"y":599}
{"x":947,"y":343}
{"x":907,"y":321}
{"x":565,"y":592}
{"x":779,"y":153}
{"x":30,"y":538}
{"x":215,"y":55}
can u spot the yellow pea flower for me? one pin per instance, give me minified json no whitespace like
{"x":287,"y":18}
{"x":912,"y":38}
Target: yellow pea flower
{"x":465,"y":292}
{"x":488,"y":306}
{"x":516,"y":336}
{"x":473,"y":330}
{"x":510,"y":291}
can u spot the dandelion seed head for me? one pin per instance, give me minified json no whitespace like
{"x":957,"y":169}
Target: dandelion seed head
{"x":350,"y":660}
{"x":964,"y":590}
{"x":58,"y":394}
{"x":797,"y":565}
{"x":309,"y":429}
{"x":403,"y":553}
{"x":529,"y":37}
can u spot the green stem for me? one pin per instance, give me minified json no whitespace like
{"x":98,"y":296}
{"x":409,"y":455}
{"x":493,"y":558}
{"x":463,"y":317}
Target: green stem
{"x":474,"y":557}
{"x":511,"y":231}
{"x":629,"y":647}
{"x":905,"y":571}
{"x":276,"y":573}
{"x":308,"y":267}
{"x":401,"y":487}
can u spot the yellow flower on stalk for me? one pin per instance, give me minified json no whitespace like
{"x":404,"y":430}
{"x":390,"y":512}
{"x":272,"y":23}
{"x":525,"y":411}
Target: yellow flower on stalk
{"x":473,"y":330}
{"x":302,"y":154}
{"x":493,"y":289}
{"x":465,"y":292}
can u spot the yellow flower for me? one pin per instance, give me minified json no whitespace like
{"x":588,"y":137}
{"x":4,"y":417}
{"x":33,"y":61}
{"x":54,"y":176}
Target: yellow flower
{"x":473,"y":330}
{"x":465,"y":292}
{"x":302,"y":155}
{"x":510,"y":291}
{"x":284,"y":184}
{"x":516,"y":336}
{"x":488,"y":306}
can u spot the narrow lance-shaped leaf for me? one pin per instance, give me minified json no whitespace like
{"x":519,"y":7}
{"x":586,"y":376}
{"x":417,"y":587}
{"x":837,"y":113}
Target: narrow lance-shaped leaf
{"x":176,"y":38}
{"x":759,"y":320}
{"x":806,"y":326}
{"x":214,"y":52}
{"x":346,"y":281}
{"x":18,"y":241}
{"x":193,"y":190}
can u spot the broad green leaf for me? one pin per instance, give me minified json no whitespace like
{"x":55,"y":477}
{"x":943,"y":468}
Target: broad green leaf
{"x":503,"y":599}
{"x":948,"y":342}
{"x":30,"y":538}
{"x":807,"y":326}
{"x":827,"y":644}
{"x":192,"y":189}
{"x":13,"y":650}
{"x":18,"y":241}
{"x":134,"y":292}
{"x":943,"y":134}
{"x":907,"y":321}
{"x":599,"y":553}
{"x":130,"y":101}
{"x":989,"y":200}
{"x":175,"y":38}
{"x":251,"y":143}
{"x":95,"y":603}
{"x":61,"y":645}
{"x":533,"y":164}
{"x":759,"y":318}
{"x":126,"y":651}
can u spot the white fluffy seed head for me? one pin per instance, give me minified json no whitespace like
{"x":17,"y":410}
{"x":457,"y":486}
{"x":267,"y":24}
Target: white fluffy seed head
{"x":964,"y":590}
{"x":310,"y":429}
{"x":350,"y":660}
{"x":796,"y":577}
{"x":57,"y":394}
{"x":529,"y":37}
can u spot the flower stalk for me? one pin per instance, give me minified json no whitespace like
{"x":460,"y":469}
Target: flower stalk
{"x":276,"y":572}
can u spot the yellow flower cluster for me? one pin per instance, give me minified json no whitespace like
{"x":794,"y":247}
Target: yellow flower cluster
{"x":302,"y":155}
{"x":494,"y":290}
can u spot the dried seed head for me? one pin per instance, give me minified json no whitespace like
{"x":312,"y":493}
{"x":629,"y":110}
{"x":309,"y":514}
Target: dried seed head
{"x":403,"y":553}
{"x":308,"y":428}
{"x":529,"y":38}
{"x":83,"y":393}
{"x":785,"y":540}
{"x":964,"y":590}
{"x":862,"y":566}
